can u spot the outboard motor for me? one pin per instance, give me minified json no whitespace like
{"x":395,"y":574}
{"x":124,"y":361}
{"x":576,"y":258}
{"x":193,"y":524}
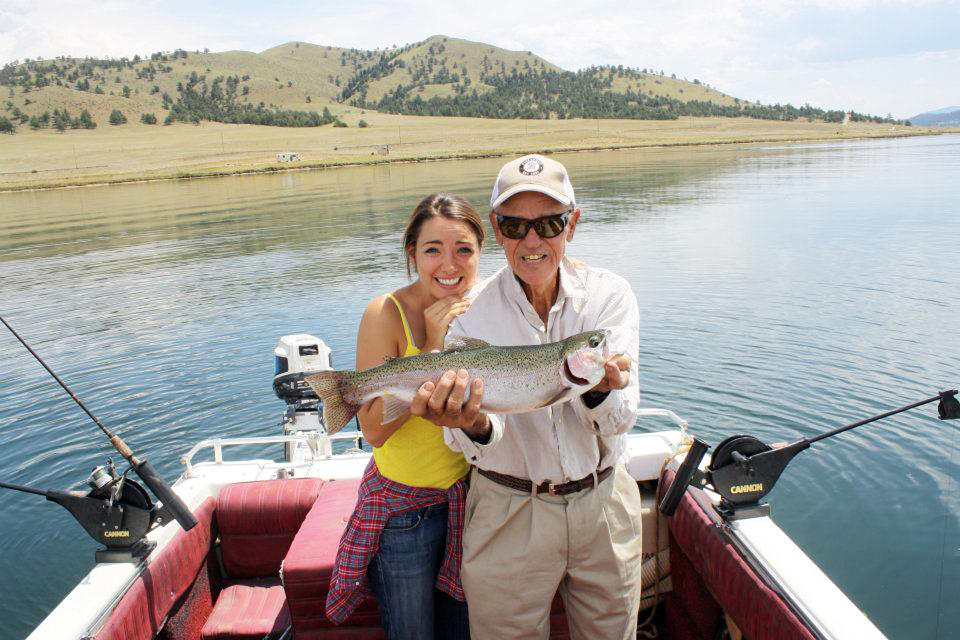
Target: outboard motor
{"x":296,"y":356}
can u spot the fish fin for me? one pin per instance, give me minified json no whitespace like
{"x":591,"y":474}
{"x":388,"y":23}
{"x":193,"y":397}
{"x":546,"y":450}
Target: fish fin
{"x":337,"y":412}
{"x":393,"y":408}
{"x":462,"y":343}
{"x":563,"y":396}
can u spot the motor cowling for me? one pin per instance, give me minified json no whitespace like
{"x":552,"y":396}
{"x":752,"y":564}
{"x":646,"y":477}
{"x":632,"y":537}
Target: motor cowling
{"x":296,"y":356}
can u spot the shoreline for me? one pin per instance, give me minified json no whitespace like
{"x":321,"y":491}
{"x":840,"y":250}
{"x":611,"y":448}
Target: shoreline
{"x":699,"y":132}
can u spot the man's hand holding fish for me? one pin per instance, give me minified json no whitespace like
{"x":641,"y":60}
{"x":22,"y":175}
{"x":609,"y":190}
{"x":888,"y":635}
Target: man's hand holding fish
{"x":444,"y":403}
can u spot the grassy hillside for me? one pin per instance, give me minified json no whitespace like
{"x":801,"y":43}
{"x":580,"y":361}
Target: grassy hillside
{"x":292,"y":76}
{"x":466,"y":63}
{"x":295,"y":75}
{"x":294,"y":83}
{"x":425,"y":63}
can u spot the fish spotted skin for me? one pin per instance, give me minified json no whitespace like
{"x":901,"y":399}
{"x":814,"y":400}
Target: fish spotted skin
{"x":516,"y":379}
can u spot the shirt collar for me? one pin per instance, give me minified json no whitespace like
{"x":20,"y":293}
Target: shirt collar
{"x":571,"y":286}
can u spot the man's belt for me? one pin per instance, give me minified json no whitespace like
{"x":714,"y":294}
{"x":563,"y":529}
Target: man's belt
{"x":522,"y":484}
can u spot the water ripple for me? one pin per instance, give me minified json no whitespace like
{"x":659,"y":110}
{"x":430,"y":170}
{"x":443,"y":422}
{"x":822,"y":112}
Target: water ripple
{"x":784,"y":291}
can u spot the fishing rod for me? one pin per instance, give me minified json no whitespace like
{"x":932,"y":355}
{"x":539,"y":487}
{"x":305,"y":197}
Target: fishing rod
{"x":744,"y":469}
{"x":141,"y":466}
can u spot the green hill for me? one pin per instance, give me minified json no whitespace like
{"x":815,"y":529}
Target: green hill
{"x":301,"y":84}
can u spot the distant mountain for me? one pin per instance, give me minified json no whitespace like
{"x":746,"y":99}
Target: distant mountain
{"x":946,"y":117}
{"x":945,"y":110}
{"x":294,"y":83}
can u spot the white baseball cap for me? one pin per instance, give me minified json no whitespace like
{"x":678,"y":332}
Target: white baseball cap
{"x":532,"y":173}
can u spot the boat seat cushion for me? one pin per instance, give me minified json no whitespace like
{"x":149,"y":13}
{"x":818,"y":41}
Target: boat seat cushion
{"x":258,"y":520}
{"x":309,"y":563}
{"x":145,"y":606}
{"x":717,"y":570}
{"x":248,"y":610}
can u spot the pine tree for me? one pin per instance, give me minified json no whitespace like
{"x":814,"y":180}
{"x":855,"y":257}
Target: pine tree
{"x":86,"y":120}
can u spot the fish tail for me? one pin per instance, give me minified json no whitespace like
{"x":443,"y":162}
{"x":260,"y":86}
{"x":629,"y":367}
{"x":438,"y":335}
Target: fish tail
{"x":328,"y":385}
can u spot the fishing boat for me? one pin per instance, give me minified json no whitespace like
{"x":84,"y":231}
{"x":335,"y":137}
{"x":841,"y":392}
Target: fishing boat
{"x":252,"y":557}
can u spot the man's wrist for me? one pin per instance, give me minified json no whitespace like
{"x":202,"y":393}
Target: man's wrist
{"x":480,"y":430}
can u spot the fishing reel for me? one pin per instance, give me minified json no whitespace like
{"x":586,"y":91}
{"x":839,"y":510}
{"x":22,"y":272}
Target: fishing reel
{"x":743,"y":469}
{"x":117,"y":512}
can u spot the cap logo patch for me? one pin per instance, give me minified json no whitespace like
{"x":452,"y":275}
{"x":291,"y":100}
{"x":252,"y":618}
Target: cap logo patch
{"x":531,"y":167}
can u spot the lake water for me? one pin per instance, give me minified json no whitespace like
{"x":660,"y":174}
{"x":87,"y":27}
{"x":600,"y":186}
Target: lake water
{"x":784,"y":291}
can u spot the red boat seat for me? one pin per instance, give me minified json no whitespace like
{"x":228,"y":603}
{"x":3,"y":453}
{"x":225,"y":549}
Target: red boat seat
{"x":258,"y":521}
{"x":710,"y":577}
{"x":309,"y":563}
{"x":248,"y":611}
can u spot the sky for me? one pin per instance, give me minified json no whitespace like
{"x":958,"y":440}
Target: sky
{"x":878,"y":57}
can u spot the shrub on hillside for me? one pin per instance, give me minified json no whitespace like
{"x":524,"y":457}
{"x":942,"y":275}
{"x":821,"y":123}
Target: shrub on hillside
{"x":117,"y":117}
{"x":86,"y":120}
{"x":6,"y":126}
{"x":62,"y":120}
{"x":340,"y":124}
{"x":148,"y":118}
{"x":363,"y":124}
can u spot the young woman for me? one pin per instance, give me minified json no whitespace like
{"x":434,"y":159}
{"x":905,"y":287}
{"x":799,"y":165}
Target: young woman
{"x":403,"y":539}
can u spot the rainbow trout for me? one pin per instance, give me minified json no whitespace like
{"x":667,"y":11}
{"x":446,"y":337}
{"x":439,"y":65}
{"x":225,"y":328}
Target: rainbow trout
{"x":515,"y":379}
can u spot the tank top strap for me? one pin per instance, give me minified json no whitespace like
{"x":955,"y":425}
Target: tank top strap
{"x":411,"y":345}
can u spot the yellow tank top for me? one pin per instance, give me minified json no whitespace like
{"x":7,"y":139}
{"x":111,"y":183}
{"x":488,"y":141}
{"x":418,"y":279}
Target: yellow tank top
{"x":415,"y":454}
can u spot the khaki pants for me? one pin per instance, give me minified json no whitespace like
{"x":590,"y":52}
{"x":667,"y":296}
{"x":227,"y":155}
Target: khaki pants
{"x":519,"y":550}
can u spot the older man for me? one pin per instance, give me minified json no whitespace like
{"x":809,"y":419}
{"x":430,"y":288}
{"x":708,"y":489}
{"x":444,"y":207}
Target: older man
{"x":551,"y":506}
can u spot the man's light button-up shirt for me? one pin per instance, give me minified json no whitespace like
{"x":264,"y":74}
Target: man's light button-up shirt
{"x":567,"y":441}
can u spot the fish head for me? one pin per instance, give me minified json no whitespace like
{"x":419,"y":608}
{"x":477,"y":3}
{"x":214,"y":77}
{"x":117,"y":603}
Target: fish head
{"x":584,"y":356}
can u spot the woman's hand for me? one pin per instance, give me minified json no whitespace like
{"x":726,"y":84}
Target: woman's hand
{"x":437,"y":318}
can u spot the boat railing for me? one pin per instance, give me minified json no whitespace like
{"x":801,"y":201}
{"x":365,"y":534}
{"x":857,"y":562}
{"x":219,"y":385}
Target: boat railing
{"x":319,"y":444}
{"x":666,"y":413}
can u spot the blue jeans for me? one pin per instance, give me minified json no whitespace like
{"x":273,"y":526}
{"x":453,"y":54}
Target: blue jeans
{"x":403,"y":575}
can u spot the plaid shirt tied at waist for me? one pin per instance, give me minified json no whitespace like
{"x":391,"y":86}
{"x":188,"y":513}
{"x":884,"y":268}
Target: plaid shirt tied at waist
{"x":379,"y":499}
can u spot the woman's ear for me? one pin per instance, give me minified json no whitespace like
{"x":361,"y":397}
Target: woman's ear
{"x":411,"y":251}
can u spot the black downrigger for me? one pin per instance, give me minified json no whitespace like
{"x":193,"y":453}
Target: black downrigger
{"x":117,"y":511}
{"x":743,"y":469}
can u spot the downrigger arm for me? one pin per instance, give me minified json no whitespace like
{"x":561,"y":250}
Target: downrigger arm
{"x":743,"y":469}
{"x":116,"y":512}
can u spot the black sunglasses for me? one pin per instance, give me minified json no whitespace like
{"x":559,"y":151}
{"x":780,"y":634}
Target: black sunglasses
{"x":546,"y":226}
